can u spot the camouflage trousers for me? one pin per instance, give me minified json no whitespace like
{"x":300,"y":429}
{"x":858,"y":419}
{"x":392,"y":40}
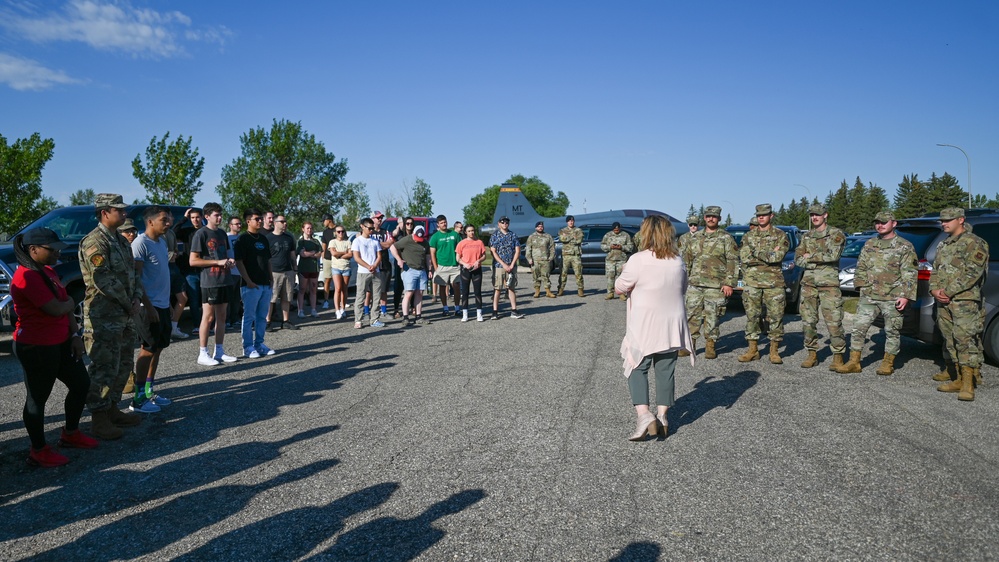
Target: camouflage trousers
{"x":576,"y":263}
{"x":705,"y":305}
{"x":961,"y":324}
{"x":111,"y":348}
{"x":753,"y":301}
{"x":613,"y":269}
{"x":542,"y":270}
{"x":828,"y":301}
{"x":867,"y":311}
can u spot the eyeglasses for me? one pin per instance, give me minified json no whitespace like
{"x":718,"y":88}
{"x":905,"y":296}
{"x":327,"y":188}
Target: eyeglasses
{"x":340,"y":232}
{"x":49,"y":248}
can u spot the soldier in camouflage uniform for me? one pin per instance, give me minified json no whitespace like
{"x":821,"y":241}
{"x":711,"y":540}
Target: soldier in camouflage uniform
{"x":959,"y":271}
{"x":540,"y":253}
{"x":617,"y":244}
{"x":886,"y":277}
{"x":818,"y":255}
{"x":111,"y":301}
{"x":572,"y":240}
{"x":712,"y":271}
{"x":761,"y":255}
{"x":693,"y":222}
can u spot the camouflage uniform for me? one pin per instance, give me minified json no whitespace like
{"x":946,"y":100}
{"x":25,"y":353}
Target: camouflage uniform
{"x":616,"y":258}
{"x":761,"y":254}
{"x":572,"y":239}
{"x":714,"y":262}
{"x":820,"y":284}
{"x":886,"y":272}
{"x":959,"y":269}
{"x":540,"y":253}
{"x":108,"y":270}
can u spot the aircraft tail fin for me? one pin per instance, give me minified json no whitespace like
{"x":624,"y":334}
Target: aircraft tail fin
{"x":513,"y":204}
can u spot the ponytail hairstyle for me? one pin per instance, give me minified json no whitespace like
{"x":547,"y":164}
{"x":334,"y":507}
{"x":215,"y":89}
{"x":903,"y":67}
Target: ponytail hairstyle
{"x":24,"y":259}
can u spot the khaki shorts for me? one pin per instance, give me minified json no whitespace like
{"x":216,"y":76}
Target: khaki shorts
{"x":283,"y":285}
{"x":447,"y":275}
{"x":503,"y":280}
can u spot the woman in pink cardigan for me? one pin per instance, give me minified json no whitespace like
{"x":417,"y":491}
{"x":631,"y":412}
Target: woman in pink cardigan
{"x":655,"y":280}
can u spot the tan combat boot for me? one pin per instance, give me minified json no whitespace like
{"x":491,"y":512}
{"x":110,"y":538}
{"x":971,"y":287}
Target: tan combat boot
{"x":775,"y":353}
{"x":978,"y":376}
{"x":129,"y":384}
{"x":751,"y":355}
{"x":102,"y":428}
{"x":581,"y":292}
{"x":121,"y":419}
{"x":610,"y":295}
{"x":837,"y":361}
{"x":810,"y":361}
{"x":948,"y":374}
{"x":853,"y":366}
{"x":887,"y":365}
{"x":549,"y":293}
{"x":709,"y":349}
{"x":537,"y":291}
{"x":560,"y":291}
{"x":624,"y":297}
{"x":967,"y":393}
{"x":956,"y":384}
{"x":684,"y":352}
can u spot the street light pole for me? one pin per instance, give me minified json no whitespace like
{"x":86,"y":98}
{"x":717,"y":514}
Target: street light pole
{"x":969,"y":168}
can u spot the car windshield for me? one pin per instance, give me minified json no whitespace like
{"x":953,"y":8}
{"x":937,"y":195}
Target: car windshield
{"x":70,"y":224}
{"x":852,"y":249}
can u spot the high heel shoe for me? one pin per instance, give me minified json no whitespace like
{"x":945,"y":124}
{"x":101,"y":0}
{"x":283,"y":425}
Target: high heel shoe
{"x":662,"y":425}
{"x":646,"y":427}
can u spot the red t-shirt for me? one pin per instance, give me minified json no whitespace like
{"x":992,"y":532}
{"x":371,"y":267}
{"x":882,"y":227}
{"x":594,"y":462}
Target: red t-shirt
{"x":30,"y":293}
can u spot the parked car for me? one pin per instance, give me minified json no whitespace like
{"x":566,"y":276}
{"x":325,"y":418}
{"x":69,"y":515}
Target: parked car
{"x":848,"y":262}
{"x":72,"y":224}
{"x":792,"y":273}
{"x":925,"y":234}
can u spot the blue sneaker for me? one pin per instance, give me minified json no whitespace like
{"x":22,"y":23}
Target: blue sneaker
{"x":264,"y":350}
{"x":378,"y":324}
{"x":160,"y":401}
{"x":147,"y":407}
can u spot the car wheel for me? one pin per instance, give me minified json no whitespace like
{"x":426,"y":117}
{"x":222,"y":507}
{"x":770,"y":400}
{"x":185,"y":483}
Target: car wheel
{"x":991,"y":340}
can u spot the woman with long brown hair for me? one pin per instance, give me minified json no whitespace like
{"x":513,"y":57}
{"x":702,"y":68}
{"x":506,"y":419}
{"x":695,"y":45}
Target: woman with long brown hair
{"x":655,"y":281}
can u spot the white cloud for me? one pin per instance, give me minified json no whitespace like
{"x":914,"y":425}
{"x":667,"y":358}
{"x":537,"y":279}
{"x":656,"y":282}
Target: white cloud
{"x":113,"y":26}
{"x":26,"y":74}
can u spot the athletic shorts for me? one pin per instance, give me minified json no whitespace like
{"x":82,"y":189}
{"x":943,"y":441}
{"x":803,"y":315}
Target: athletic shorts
{"x":154,"y":336}
{"x":447,"y":275}
{"x":414,"y":279}
{"x":284,"y":286}
{"x":176,"y":280}
{"x":214,"y":295}
{"x":503,"y":280}
{"x":309,"y":274}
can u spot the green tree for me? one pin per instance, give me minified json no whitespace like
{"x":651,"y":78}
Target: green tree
{"x":82,"y":197}
{"x":170,"y":172}
{"x":284,"y":170}
{"x":944,"y":191}
{"x":910,"y":198}
{"x":21,"y":166}
{"x":355,"y":206}
{"x":728,"y":220}
{"x":419,"y":198}
{"x":838,"y":204}
{"x":547,"y":203}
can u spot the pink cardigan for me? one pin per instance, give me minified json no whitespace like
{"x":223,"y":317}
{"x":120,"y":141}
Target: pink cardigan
{"x":657,"y":317}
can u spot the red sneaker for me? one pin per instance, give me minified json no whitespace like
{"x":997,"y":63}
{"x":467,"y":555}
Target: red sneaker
{"x":46,"y":457}
{"x":77,"y":440}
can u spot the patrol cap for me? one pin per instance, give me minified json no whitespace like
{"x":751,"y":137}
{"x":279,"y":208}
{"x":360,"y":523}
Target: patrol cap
{"x":692,"y":219}
{"x":884,"y":217}
{"x":951,"y":213}
{"x":713,"y":211}
{"x":129,"y":224}
{"x":764,"y":209}
{"x":42,"y":236}
{"x":754,"y":221}
{"x":420,"y":234}
{"x":105,"y":200}
{"x":817,"y":209}
{"x":569,"y":218}
{"x":539,"y":223}
{"x":616,"y":225}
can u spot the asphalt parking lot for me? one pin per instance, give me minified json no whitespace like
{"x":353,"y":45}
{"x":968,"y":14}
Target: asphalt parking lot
{"x":506,"y":440}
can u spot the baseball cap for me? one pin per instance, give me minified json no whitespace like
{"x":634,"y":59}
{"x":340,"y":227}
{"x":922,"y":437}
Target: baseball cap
{"x":377,"y":215}
{"x":539,"y":223}
{"x":504,"y":218}
{"x":42,"y":237}
{"x":420,"y":234}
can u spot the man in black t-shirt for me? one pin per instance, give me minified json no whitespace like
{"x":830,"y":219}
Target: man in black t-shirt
{"x":284,"y":269}
{"x":192,"y":275}
{"x":253,"y":259}
{"x":210,"y":254}
{"x":328,"y":235}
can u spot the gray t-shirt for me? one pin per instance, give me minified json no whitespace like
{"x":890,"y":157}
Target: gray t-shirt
{"x":212,"y":245}
{"x":155,"y":260}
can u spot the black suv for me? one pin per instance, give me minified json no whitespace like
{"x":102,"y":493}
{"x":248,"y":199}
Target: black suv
{"x":925,"y":233}
{"x":71,"y":224}
{"x":792,"y":273}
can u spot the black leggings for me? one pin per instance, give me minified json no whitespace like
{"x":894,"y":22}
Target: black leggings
{"x":471,"y":277}
{"x":42,"y":365}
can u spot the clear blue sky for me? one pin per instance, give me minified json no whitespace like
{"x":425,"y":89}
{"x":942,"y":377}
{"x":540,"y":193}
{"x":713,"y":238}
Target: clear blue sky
{"x":657,"y":104}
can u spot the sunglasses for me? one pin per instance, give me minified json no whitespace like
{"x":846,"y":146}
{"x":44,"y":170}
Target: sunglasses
{"x":409,"y":224}
{"x":280,"y":220}
{"x":340,"y":231}
{"x":255,"y":219}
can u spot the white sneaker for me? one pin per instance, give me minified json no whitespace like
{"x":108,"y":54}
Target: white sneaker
{"x":207,"y":360}
{"x":479,"y":317}
{"x":464,"y":316}
{"x":315,"y":313}
{"x":326,"y":305}
{"x":177,"y":334}
{"x":301,"y":314}
{"x":251,"y":353}
{"x":339,"y":314}
{"x":221,"y":356}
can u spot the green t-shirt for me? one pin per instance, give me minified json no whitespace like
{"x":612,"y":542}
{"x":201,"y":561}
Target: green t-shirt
{"x":445,"y":243}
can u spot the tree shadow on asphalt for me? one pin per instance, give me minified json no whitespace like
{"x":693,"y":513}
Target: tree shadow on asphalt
{"x":638,"y":552}
{"x":708,"y":394}
{"x":391,"y":538}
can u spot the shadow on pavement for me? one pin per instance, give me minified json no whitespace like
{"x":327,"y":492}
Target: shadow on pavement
{"x":638,"y":552}
{"x":708,"y":394}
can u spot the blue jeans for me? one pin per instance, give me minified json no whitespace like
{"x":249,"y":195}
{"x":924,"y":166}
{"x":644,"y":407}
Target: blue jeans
{"x":256,"y":302}
{"x":193,"y":289}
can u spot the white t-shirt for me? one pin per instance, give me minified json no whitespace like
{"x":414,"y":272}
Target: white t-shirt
{"x":368,"y":248}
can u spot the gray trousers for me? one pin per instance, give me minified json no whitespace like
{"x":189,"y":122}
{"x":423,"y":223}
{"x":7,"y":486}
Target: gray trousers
{"x":638,"y":381}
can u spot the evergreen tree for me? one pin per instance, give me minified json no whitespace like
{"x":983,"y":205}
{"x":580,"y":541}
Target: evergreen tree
{"x":728,"y":219}
{"x":944,"y":191}
{"x":910,"y":198}
{"x":838,"y":204}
